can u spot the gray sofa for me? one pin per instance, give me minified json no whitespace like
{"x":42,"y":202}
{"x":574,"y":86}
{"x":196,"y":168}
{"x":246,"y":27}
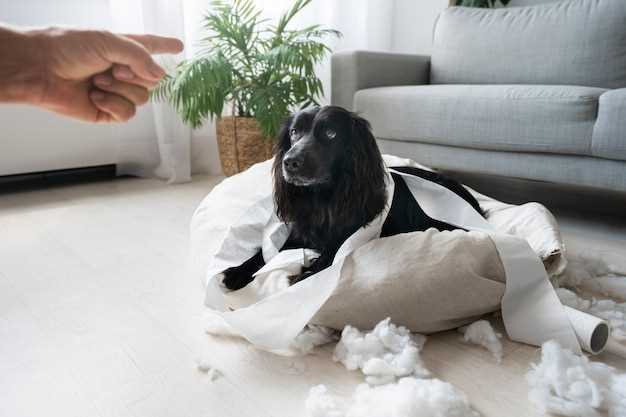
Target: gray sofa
{"x":530,"y":92}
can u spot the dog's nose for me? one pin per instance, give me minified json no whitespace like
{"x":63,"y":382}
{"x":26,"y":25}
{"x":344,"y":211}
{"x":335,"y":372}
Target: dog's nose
{"x":292,"y":163}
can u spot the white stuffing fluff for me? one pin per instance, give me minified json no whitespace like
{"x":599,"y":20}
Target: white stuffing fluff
{"x":320,"y":403}
{"x":613,"y":286}
{"x":481,"y":333}
{"x":617,"y":395}
{"x":384,"y":354}
{"x":583,"y":268}
{"x":567,"y":384}
{"x":594,"y":275}
{"x":614,"y":313}
{"x":409,"y":397}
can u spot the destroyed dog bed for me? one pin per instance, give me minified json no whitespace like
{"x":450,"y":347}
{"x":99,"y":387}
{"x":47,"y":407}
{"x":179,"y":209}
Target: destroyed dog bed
{"x":427,"y":281}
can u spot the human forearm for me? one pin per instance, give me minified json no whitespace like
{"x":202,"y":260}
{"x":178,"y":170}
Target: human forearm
{"x":21,"y":66}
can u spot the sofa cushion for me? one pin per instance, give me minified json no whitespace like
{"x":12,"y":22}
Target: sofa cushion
{"x":530,"y":118}
{"x":576,"y":42}
{"x":609,"y":133}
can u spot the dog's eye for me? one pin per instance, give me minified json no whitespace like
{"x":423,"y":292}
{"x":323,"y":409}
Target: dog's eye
{"x":293,"y":135}
{"x":330,"y":134}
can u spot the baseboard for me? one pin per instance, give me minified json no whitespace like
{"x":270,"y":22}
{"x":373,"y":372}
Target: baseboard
{"x":46,"y":179}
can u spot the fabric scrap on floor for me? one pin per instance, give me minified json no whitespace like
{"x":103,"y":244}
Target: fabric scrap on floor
{"x":309,"y":338}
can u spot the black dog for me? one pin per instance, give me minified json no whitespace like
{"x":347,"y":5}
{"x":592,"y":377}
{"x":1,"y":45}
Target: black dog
{"x":329,"y":181}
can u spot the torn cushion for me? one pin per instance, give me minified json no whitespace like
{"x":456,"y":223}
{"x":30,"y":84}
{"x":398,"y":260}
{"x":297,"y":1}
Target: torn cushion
{"x":427,"y":281}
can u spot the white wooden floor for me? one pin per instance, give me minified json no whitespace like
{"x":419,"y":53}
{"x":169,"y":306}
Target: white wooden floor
{"x":98,"y":317}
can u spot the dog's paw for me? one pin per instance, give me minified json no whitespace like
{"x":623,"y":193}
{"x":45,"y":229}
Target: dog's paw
{"x":232,"y":280}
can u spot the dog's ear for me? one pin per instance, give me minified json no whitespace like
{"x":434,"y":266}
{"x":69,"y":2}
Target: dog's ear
{"x":281,"y":188}
{"x":367,"y":161}
{"x":283,"y":140}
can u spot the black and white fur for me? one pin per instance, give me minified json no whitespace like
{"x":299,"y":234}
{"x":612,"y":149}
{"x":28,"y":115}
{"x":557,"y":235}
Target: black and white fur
{"x":329,"y":181}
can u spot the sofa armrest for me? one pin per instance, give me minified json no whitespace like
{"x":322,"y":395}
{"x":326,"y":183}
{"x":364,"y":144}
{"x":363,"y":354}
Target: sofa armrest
{"x":609,"y":132}
{"x":356,"y":70}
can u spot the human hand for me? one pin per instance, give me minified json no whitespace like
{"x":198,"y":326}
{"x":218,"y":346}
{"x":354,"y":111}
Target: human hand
{"x":97,"y":76}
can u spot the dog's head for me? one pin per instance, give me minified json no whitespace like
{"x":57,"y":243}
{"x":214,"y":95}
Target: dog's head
{"x":327,"y":151}
{"x":317,"y":146}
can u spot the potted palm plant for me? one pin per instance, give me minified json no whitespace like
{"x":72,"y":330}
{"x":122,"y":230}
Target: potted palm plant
{"x":260,"y":71}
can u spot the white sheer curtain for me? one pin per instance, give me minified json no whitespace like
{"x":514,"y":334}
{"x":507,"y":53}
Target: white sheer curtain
{"x":173,"y":151}
{"x":167,"y":152}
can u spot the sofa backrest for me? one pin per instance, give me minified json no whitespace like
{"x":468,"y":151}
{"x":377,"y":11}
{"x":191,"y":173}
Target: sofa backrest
{"x":575,"y":42}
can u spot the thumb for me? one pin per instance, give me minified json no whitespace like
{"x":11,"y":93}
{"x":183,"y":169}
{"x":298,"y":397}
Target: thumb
{"x":122,"y":50}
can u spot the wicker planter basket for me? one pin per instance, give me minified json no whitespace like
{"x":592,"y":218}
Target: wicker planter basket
{"x":241,"y":144}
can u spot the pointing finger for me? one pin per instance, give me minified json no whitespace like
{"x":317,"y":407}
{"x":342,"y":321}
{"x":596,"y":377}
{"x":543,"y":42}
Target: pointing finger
{"x":158,"y":44}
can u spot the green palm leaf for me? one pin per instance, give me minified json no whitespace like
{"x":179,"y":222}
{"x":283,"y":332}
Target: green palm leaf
{"x":260,"y":70}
